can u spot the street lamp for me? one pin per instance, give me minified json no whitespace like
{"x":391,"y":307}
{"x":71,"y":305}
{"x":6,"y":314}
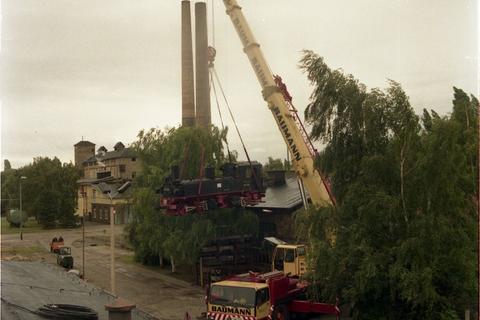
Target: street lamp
{"x":21,"y":211}
{"x":84,"y":196}
{"x":112,"y":244}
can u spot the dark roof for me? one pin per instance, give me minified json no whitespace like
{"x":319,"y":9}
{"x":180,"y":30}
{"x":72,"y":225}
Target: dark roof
{"x":31,"y":285}
{"x":123,"y":153}
{"x":112,"y":188}
{"x":94,"y":180}
{"x":84,"y":143}
{"x":118,"y":146}
{"x":285,"y":196}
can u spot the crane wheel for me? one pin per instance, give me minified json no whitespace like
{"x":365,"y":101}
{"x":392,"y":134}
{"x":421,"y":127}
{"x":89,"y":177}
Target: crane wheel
{"x":281,"y":313}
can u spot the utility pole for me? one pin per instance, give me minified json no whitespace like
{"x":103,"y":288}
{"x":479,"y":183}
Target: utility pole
{"x":478,"y":210}
{"x":21,"y":211}
{"x":112,"y":245}
{"x":112,"y":248}
{"x":83,"y":247}
{"x":84,"y":195}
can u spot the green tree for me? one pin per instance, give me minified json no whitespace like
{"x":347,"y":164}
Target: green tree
{"x":50,"y":191}
{"x":10,"y":179}
{"x":405,"y":220}
{"x":6,"y":165}
{"x":276,"y":164}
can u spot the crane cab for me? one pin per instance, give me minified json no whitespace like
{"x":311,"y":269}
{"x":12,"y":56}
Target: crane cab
{"x":290,"y":258}
{"x":238,"y":300}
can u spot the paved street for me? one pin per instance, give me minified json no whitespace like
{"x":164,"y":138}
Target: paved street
{"x":152,"y":290}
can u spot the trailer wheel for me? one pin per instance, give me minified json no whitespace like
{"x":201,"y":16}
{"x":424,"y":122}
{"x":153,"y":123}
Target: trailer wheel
{"x":281,"y":313}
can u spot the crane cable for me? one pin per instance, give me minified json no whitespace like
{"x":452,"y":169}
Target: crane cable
{"x":219,"y":112}
{"x":214,"y":71}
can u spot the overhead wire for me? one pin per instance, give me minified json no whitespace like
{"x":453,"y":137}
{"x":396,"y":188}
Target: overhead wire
{"x":43,"y":288}
{"x":236,"y":126}
{"x":214,"y":71}
{"x":220,"y":113}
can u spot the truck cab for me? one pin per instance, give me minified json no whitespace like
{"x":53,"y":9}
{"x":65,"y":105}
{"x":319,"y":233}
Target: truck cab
{"x":238,"y":300}
{"x":271,"y":295}
{"x":290,"y":258}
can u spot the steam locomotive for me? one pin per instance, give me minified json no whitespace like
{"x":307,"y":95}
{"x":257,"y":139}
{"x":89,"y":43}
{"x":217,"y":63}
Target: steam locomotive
{"x":240,"y":185}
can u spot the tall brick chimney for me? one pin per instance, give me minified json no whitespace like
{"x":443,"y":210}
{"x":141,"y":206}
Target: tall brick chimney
{"x":188,"y":93}
{"x":203,"y":113}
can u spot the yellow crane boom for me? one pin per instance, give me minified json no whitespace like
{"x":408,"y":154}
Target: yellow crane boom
{"x":297,"y":146}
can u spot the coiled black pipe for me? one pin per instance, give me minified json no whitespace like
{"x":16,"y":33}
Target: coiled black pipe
{"x":67,"y":311}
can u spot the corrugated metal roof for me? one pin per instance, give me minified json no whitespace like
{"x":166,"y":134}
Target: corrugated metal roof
{"x":285,"y":196}
{"x":33,"y":284}
{"x":94,"y":180}
{"x":115,"y":154}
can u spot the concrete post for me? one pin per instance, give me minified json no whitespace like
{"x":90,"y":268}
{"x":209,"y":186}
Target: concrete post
{"x":120,"y":309}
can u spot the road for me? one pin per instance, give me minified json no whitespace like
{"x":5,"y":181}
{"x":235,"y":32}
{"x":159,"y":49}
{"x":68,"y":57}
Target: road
{"x":151,"y":289}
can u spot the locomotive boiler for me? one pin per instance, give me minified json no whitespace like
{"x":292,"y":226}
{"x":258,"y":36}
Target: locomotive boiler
{"x":240,"y":185}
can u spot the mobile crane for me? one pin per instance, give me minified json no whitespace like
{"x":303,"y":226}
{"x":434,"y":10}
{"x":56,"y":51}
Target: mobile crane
{"x":274,"y":295}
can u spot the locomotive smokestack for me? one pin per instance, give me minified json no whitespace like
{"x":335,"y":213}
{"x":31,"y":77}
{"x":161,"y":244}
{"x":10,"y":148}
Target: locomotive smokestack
{"x":203,"y":113}
{"x":188,"y":93}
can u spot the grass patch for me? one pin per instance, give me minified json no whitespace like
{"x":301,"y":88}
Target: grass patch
{"x":184,"y":273}
{"x":24,"y":251}
{"x":129,"y":259}
{"x":31,"y":225}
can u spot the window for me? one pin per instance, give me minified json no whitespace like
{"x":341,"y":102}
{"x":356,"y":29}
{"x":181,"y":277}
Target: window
{"x":134,"y":174}
{"x":301,"y":251}
{"x":122,"y":168}
{"x":262,"y":296}
{"x":134,"y":159}
{"x":248,"y":172}
{"x":229,"y":295}
{"x":290,"y":255}
{"x":101,"y":175}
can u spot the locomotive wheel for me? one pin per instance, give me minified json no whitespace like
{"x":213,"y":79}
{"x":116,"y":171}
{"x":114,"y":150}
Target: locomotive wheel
{"x":236,"y":202}
{"x":281,"y":313}
{"x":212,"y":204}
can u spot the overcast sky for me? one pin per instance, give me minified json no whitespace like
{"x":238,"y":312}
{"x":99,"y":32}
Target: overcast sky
{"x":106,"y":69}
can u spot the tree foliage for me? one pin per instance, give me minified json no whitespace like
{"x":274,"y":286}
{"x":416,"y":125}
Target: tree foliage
{"x":155,"y":235}
{"x":405,"y":185}
{"x":49,"y":190}
{"x":276,"y":164}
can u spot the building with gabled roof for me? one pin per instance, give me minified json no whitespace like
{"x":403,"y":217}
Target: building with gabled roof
{"x":106,"y":184}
